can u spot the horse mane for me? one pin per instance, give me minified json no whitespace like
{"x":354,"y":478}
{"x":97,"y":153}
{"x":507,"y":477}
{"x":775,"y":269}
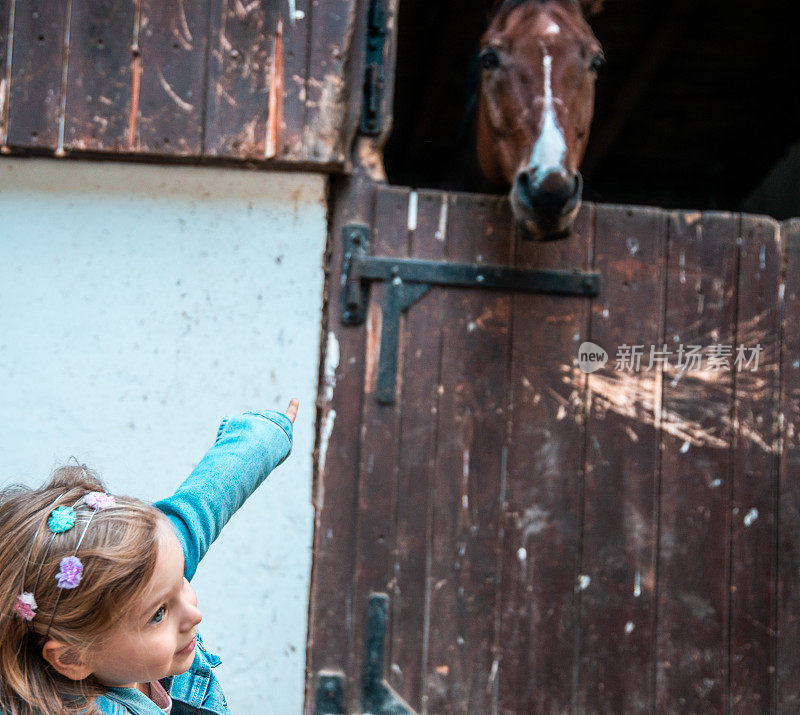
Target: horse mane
{"x":502,"y":8}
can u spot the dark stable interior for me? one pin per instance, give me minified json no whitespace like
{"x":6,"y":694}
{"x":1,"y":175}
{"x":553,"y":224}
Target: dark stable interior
{"x":695,"y":108}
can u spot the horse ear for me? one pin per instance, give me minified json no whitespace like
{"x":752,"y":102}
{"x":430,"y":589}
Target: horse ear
{"x":591,"y":7}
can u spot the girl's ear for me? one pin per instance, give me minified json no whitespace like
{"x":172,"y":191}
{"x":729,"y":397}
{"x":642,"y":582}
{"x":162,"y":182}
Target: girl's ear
{"x":65,"y":660}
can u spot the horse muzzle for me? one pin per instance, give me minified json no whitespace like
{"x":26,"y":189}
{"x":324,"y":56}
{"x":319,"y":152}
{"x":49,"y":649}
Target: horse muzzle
{"x":546,"y":205}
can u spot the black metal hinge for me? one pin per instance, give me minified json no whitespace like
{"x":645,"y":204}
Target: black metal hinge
{"x":330,"y":693}
{"x":374,"y":70}
{"x":407,"y":280}
{"x":377,"y":696}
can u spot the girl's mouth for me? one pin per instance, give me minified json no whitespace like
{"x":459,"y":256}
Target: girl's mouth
{"x":189,"y":648}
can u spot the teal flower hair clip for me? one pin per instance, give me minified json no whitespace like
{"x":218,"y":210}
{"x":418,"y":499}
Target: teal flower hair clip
{"x":61,"y":519}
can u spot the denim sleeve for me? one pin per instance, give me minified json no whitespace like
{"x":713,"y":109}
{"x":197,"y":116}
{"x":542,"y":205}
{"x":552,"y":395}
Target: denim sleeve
{"x":247,"y":449}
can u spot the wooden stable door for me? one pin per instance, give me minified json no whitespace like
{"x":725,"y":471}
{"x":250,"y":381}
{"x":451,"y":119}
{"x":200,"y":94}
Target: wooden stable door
{"x":515,"y":534}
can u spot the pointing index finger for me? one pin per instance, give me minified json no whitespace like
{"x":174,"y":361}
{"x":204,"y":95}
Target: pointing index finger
{"x":291,"y":410}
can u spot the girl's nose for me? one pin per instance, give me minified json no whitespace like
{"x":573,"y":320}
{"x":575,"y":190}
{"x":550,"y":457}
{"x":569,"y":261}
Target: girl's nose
{"x":191,"y":615}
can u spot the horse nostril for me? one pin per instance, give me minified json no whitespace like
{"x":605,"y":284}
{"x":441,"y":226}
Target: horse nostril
{"x":556,"y":187}
{"x":523,"y":182}
{"x":550,"y":192}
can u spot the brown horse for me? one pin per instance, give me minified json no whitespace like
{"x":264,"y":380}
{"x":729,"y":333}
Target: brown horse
{"x":539,"y":60}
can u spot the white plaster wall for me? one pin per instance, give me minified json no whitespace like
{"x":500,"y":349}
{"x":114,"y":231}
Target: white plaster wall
{"x":139,"y":305}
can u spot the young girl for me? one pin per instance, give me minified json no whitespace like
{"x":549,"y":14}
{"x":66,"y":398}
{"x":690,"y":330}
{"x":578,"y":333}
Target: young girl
{"x":96,"y":610}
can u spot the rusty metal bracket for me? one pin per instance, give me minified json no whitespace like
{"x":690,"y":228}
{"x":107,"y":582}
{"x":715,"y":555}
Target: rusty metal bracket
{"x":407,"y":280}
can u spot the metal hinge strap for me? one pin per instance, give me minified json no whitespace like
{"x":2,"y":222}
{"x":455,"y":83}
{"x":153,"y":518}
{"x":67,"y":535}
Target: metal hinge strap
{"x":374,"y":69}
{"x":408,"y":279}
{"x":377,"y":696}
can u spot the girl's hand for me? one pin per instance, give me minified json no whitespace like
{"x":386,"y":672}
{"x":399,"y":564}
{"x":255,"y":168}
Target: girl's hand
{"x":291,"y":410}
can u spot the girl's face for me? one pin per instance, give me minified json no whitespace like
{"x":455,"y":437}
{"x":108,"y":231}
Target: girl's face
{"x":157,"y":638}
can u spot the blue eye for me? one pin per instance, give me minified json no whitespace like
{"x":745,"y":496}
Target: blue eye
{"x":159,"y":615}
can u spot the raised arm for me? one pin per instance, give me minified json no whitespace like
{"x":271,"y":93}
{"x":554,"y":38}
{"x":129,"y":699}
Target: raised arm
{"x":248,"y":448}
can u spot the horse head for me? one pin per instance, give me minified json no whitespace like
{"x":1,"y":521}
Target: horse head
{"x":539,"y":60}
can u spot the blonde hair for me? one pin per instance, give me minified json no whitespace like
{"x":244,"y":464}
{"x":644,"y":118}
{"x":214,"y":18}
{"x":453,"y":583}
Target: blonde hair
{"x":118,"y":553}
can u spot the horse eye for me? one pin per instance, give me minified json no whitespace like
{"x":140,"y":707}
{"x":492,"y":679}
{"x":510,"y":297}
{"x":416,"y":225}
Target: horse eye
{"x":490,"y":59}
{"x":597,"y":62}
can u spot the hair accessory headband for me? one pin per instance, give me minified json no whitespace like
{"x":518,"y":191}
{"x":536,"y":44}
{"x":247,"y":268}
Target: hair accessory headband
{"x":25,"y":606}
{"x":99,"y":500}
{"x":61,"y":519}
{"x":70,"y":570}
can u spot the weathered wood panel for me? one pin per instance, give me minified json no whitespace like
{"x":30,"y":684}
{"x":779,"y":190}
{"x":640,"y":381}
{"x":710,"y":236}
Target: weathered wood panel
{"x":788,"y":596}
{"x":172,"y":40}
{"x":380,"y":435}
{"x":34,"y":104}
{"x":331,"y":608}
{"x":5,"y":77}
{"x":542,"y":512}
{"x":555,"y":541}
{"x":694,"y":578}
{"x":191,"y":78}
{"x":243,"y":46}
{"x":617,"y":647}
{"x":461,"y":666}
{"x":103,"y":78}
{"x":290,"y":86}
{"x":332,"y":40}
{"x":755,"y":468}
{"x":419,"y":394}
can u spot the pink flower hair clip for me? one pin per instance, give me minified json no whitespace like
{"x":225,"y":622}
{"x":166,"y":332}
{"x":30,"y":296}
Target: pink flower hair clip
{"x":99,"y":500}
{"x":25,"y":606}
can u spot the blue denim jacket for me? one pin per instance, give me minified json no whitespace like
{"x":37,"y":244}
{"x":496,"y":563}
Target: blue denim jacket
{"x":247,"y":449}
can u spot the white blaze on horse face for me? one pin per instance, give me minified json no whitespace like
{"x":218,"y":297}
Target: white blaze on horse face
{"x":550,"y":148}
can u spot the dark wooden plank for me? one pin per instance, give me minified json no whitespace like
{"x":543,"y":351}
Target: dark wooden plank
{"x":755,"y":474}
{"x":422,"y":346}
{"x":36,"y":73}
{"x":788,"y":654}
{"x":5,"y":74}
{"x":619,"y":535}
{"x":335,"y":489}
{"x":242,"y":48}
{"x":336,"y":38}
{"x":693,"y":578}
{"x":461,"y":662}
{"x":173,"y":41}
{"x":102,"y":91}
{"x":289,"y":120}
{"x":542,"y":513}
{"x":377,"y":468}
